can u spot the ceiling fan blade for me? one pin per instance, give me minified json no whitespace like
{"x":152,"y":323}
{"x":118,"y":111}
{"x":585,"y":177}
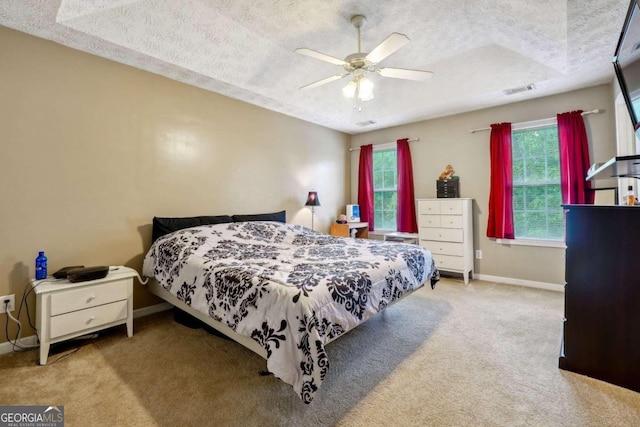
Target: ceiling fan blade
{"x":320,"y":56}
{"x":401,"y":73}
{"x":392,"y":43}
{"x":325,"y":81}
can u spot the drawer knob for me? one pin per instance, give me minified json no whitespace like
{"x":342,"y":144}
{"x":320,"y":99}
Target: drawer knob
{"x":91,"y":298}
{"x":91,"y":319}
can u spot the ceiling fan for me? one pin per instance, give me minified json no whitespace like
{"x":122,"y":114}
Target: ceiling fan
{"x":360,"y":63}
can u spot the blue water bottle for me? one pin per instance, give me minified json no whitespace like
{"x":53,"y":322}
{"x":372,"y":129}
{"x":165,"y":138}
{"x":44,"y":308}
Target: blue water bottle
{"x":41,"y":266}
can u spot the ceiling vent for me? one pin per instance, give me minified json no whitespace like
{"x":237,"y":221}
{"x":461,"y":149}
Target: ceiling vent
{"x":519,"y":89}
{"x":366,"y":123}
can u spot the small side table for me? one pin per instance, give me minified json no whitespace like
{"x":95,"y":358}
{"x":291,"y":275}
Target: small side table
{"x":66,"y":310}
{"x":361,"y":230}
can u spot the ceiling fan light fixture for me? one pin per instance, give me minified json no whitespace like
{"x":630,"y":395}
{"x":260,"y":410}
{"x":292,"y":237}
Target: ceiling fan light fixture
{"x":360,"y":87}
{"x":358,"y":64}
{"x":365,"y":89}
{"x":349,"y":90}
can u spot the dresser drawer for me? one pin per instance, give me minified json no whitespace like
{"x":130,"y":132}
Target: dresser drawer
{"x":88,"y":296}
{"x":426,"y":207}
{"x":429,"y":221}
{"x":451,"y":221}
{"x":443,"y":248}
{"x":85,"y":319}
{"x":441,"y":234}
{"x":451,"y":207}
{"x":448,"y":262}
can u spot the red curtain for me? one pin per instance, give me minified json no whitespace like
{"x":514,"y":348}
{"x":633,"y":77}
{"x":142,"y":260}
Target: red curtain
{"x":574,"y":159}
{"x":406,"y":202}
{"x":500,"y":224}
{"x":365,"y":185}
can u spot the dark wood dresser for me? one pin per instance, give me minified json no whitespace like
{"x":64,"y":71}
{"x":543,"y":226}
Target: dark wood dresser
{"x":601,"y":337}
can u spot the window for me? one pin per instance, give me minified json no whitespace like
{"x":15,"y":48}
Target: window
{"x":385,"y":188}
{"x":537,"y":197}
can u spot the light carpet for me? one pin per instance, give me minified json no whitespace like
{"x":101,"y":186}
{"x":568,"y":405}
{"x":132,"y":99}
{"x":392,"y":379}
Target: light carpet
{"x":484,"y":354}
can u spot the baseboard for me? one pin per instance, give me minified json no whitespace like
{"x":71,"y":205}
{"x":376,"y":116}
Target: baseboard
{"x":151,"y":309}
{"x":7,"y":347}
{"x":520,"y":282}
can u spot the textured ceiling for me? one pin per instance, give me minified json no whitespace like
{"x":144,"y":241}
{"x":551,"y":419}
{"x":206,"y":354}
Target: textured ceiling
{"x":246,"y":49}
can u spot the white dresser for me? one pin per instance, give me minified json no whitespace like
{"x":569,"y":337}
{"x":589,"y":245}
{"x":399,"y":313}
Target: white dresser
{"x":445,"y":227}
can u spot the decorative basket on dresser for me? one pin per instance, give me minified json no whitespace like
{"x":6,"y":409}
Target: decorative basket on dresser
{"x":445,"y":227}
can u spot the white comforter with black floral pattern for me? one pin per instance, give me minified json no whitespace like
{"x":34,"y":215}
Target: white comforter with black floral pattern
{"x":289,"y":288}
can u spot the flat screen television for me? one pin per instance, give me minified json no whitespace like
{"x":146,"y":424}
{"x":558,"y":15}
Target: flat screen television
{"x":626,"y":63}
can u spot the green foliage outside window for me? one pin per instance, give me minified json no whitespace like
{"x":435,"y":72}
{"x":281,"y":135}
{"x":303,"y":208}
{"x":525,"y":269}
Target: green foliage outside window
{"x":385,"y":189}
{"x":537,"y":199}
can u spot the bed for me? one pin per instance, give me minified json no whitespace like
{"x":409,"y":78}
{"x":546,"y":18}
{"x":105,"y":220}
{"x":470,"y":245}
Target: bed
{"x":282,"y":290}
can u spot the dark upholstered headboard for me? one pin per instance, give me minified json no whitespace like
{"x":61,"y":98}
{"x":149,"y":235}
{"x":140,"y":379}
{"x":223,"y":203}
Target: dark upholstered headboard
{"x":162,"y":226}
{"x":275,"y":216}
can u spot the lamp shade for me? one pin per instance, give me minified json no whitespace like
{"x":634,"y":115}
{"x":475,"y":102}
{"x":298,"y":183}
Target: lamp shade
{"x":312,"y":199}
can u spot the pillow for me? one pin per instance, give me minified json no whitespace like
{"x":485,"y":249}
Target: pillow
{"x":275,"y":216}
{"x":162,"y":226}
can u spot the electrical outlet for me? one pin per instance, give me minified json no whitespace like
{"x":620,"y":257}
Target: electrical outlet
{"x":12,"y":303}
{"x":478,"y":254}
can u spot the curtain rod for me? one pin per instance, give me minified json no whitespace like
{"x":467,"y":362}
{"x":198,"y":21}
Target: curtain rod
{"x":584,"y":113}
{"x":410,"y":140}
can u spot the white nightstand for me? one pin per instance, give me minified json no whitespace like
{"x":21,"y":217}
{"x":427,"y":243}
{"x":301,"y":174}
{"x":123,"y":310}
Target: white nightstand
{"x":66,"y":310}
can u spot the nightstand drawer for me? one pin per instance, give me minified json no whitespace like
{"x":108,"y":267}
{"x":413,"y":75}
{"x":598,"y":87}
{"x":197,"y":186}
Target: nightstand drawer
{"x":88,"y":296}
{"x":444,"y":248}
{"x":441,"y":234}
{"x":85,"y":319}
{"x":448,"y":262}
